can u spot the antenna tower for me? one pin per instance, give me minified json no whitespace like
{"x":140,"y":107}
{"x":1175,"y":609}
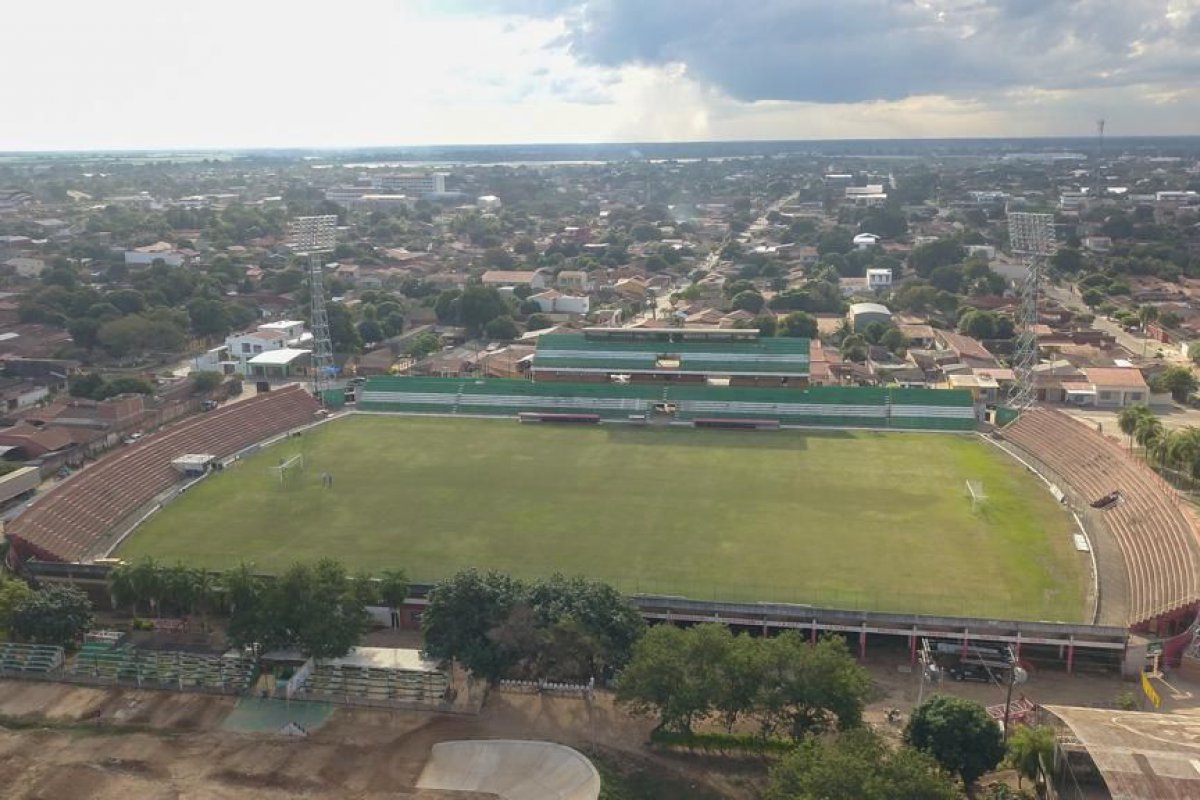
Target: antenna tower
{"x":312,"y":237}
{"x":1031,"y":236}
{"x":1097,"y":180}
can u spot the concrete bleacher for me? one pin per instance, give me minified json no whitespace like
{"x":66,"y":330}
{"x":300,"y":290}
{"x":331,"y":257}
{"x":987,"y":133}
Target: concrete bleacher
{"x":1156,"y":541}
{"x":70,"y":522}
{"x":104,"y":662}
{"x":30,"y":659}
{"x":368,"y":684}
{"x":910,"y":409}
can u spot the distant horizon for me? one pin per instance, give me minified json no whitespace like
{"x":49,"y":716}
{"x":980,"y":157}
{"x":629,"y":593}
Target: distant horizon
{"x":651,"y":143}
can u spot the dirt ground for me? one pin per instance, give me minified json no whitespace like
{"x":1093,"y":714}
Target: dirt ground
{"x":65,"y":742}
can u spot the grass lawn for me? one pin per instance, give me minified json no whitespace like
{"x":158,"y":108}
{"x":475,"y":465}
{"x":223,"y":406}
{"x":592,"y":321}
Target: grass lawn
{"x":853,"y":520}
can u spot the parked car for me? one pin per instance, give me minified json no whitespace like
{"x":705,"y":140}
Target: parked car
{"x":974,"y":672}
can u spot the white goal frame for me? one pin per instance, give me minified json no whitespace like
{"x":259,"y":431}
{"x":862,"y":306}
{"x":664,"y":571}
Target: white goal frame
{"x":978,"y":496}
{"x":296,"y":463}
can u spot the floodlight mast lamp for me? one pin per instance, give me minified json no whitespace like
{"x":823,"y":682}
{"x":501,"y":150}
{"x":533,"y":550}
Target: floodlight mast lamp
{"x":1031,"y":236}
{"x":313,"y":236}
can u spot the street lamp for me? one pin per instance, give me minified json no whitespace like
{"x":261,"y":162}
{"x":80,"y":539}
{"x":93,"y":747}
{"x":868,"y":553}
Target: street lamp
{"x":1016,"y":674}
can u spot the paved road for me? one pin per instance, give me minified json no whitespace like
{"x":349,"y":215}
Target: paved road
{"x":1140,"y":346}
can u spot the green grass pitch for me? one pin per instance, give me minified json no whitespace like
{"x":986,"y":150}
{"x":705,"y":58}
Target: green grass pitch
{"x":879,"y":521}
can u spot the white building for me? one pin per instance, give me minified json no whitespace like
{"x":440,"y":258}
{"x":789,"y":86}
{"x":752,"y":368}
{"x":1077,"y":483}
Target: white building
{"x":985,"y":250}
{"x":555,"y":302}
{"x":865,"y":241}
{"x":26,"y":267}
{"x":159,"y":251}
{"x":1070,"y":201}
{"x":282,"y":335}
{"x":416,"y":183}
{"x":866,"y":196}
{"x":488,"y":203}
{"x":879,"y":279}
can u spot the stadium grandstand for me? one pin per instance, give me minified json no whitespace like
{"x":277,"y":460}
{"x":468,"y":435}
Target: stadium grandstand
{"x":887,"y":408}
{"x":677,"y":355}
{"x":1146,"y":548}
{"x":79,"y":518}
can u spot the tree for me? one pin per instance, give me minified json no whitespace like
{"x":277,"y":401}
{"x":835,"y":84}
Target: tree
{"x":479,"y":305}
{"x":318,"y":608}
{"x":205,"y":381}
{"x":978,"y":324}
{"x":537,"y":322}
{"x":1130,"y":417}
{"x":462,"y":610}
{"x":1067,"y":259}
{"x":423,"y":345}
{"x":244,"y":593}
{"x":1194,"y":352}
{"x":208,"y":317}
{"x":893,"y":340}
{"x":57,"y":614}
{"x":767,"y":325}
{"x":502,"y":328}
{"x":13,"y":593}
{"x":1147,"y":430}
{"x":1180,"y":381}
{"x":89,"y":384}
{"x":798,"y":324}
{"x":959,"y":734}
{"x":1028,"y":748}
{"x":369,"y":331}
{"x":448,"y":306}
{"x":660,"y":680}
{"x":810,"y":688}
{"x":341,"y":329}
{"x":925,"y":258}
{"x":84,"y":332}
{"x":857,"y":764}
{"x":838,"y":240}
{"x":748,"y":301}
{"x":393,"y":587}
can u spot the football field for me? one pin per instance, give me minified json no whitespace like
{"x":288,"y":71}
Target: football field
{"x":881,"y":521}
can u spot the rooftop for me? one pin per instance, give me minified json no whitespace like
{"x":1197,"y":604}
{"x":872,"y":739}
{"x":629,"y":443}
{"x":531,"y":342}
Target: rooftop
{"x":645,"y":350}
{"x":1123,"y":377}
{"x":280,"y":357}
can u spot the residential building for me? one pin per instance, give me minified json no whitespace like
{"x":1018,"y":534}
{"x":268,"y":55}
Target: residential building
{"x":285,"y":334}
{"x":552,"y":301}
{"x":863,"y":314}
{"x":1115,"y":387}
{"x":573,"y":280}
{"x":25,"y":267}
{"x":879,"y":279}
{"x":159,"y":251}
{"x":498,"y":278}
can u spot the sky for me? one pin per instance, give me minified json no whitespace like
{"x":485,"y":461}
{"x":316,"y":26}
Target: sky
{"x":151,"y":74}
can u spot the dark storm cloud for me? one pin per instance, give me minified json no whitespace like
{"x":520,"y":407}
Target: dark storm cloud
{"x":862,"y":50}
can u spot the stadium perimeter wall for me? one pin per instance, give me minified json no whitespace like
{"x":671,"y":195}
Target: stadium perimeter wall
{"x":822,"y":406}
{"x":1073,"y":646}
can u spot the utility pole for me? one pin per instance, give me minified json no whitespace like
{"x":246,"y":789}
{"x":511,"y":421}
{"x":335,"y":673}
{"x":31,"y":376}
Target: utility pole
{"x":1015,"y":675}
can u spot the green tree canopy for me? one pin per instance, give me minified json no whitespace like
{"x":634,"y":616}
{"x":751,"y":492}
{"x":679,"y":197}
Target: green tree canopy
{"x":959,"y":734}
{"x":57,"y":614}
{"x":858,"y":765}
{"x":798,"y":324}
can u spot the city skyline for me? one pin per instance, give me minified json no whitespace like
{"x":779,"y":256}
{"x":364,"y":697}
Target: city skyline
{"x":135,"y":75}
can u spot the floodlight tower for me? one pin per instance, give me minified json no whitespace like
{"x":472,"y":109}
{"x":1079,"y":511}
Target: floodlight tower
{"x":1097,"y":182}
{"x":1031,"y":236}
{"x":312,"y":237}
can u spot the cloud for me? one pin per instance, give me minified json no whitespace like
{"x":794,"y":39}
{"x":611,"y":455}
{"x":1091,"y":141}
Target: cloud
{"x":870,"y":50}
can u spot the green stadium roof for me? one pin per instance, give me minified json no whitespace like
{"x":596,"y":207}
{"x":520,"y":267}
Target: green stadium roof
{"x":576,"y":352}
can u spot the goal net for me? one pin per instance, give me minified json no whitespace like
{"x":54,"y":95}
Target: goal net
{"x":976,"y":493}
{"x":288,"y":466}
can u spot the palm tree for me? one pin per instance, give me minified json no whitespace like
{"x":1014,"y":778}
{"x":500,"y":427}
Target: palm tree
{"x":204,"y":587}
{"x":1129,"y":418}
{"x":1028,"y":747}
{"x":179,"y":587}
{"x":121,"y":586}
{"x":146,"y":578}
{"x":1146,"y":315}
{"x":1149,"y":429}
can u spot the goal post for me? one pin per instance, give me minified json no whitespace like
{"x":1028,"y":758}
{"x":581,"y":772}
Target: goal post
{"x":976,"y":493}
{"x":287,"y":466}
